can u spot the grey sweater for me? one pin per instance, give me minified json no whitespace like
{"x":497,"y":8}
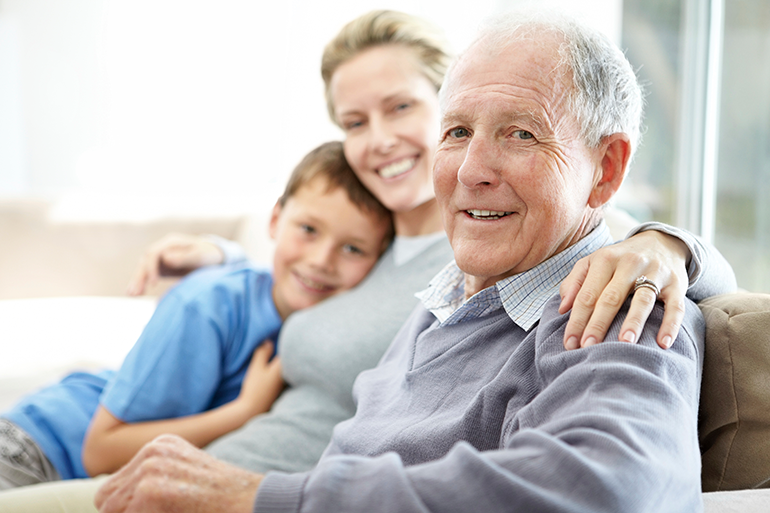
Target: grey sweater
{"x":322,"y":350}
{"x":483,"y":416}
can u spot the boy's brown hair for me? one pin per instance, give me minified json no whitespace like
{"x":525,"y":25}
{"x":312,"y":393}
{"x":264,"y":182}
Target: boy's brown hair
{"x":328,"y":161}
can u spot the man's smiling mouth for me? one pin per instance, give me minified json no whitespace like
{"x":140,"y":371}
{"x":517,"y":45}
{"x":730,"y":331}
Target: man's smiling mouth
{"x":487,"y":214}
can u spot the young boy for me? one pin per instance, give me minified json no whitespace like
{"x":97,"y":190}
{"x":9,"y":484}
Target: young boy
{"x":192,"y":372}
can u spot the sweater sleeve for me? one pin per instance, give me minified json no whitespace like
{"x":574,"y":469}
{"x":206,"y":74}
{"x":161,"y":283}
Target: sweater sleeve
{"x":709,"y":272}
{"x":613,"y":429}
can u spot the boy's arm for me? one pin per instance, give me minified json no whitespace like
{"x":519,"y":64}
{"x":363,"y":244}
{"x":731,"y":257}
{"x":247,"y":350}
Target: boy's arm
{"x":110,"y":443}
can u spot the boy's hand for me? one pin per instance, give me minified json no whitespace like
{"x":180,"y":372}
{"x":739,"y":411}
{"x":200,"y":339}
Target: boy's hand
{"x":174,"y":254}
{"x":599,"y":284}
{"x":263,"y":382}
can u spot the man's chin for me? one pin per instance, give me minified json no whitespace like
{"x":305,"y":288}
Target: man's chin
{"x":480,"y":275}
{"x":483,"y":257}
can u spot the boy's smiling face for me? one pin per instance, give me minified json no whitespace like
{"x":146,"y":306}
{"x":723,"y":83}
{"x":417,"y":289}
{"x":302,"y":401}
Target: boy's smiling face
{"x":325,"y":244}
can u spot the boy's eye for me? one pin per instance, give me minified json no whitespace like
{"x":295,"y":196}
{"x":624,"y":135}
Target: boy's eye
{"x":354,"y":250}
{"x":307,"y":229}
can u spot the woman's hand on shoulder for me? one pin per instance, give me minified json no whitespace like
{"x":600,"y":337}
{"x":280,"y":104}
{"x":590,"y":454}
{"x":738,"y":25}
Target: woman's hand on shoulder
{"x":174,"y":254}
{"x":599,"y":284}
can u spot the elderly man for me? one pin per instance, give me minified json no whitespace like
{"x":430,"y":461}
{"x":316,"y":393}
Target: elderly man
{"x":477,"y":406}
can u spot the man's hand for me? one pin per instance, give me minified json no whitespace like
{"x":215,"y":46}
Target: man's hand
{"x":171,"y":475}
{"x":176,"y":253}
{"x":599,"y":284}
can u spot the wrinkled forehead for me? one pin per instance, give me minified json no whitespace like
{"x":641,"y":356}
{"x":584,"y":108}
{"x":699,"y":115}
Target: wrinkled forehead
{"x":521,"y":63}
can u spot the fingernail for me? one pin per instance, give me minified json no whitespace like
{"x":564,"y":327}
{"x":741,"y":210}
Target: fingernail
{"x":667,"y":341}
{"x":572,"y":342}
{"x":590,"y":341}
{"x":628,"y":336}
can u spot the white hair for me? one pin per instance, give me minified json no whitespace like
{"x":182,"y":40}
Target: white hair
{"x":606,"y":97}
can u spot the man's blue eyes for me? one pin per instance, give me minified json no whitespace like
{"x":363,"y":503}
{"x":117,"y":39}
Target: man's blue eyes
{"x":523,"y":134}
{"x":459,"y":133}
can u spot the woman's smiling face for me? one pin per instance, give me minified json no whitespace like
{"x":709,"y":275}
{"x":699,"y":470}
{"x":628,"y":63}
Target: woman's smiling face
{"x":390,"y":114}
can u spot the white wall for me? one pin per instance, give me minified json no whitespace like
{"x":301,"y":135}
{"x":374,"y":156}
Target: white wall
{"x":48,"y":67}
{"x":173,"y":103}
{"x":12,"y":175}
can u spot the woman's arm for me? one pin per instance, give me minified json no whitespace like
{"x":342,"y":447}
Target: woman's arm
{"x":179,"y":253}
{"x":675,"y":260}
{"x":110,"y":443}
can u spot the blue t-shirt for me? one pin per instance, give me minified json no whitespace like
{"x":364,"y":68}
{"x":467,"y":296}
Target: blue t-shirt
{"x":191,"y":357}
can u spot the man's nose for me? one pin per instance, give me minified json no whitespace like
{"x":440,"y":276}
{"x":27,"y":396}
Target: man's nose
{"x":478,"y":168}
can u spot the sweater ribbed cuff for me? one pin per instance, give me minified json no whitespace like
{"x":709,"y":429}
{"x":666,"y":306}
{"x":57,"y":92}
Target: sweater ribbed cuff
{"x":232,"y":251}
{"x":280,"y":493}
{"x":695,"y":266}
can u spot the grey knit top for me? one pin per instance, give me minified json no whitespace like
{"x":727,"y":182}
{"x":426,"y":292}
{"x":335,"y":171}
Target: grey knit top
{"x":323,"y":349}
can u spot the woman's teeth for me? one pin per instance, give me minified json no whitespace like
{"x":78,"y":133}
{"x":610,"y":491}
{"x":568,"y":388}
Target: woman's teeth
{"x":397,"y":168}
{"x":487,"y":214}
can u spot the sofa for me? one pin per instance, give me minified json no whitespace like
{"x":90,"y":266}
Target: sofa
{"x":734,"y":416}
{"x":63,"y":277}
{"x":62,"y":307}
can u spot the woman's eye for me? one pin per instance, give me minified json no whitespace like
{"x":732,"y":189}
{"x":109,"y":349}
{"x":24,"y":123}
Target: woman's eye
{"x":352,"y":125}
{"x":523,"y":134}
{"x":458,"y":133}
{"x":402,"y":106}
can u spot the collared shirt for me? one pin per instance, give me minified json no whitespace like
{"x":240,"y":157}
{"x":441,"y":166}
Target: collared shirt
{"x":522,"y":295}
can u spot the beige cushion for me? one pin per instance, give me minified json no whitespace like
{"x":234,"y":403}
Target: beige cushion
{"x":41,"y":256}
{"x":734,"y":424}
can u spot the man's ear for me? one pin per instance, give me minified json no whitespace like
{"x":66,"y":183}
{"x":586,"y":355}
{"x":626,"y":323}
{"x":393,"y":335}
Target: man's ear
{"x":615,"y":153}
{"x":274,"y":215}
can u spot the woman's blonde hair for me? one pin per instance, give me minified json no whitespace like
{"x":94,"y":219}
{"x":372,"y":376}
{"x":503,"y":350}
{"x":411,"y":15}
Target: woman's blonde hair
{"x":385,"y":27}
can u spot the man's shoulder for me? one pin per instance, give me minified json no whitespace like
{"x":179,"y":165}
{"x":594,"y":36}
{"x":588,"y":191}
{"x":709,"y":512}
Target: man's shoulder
{"x":689,"y":341}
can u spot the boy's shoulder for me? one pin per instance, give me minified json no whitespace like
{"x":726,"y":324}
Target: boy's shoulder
{"x":229,"y":275}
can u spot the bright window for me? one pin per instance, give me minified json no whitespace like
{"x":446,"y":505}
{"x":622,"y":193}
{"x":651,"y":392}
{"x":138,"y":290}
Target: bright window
{"x":705,"y":160}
